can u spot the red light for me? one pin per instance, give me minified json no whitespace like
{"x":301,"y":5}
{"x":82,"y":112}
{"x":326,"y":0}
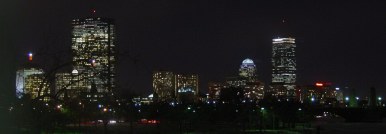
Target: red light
{"x":30,"y":56}
{"x":93,"y":11}
{"x":319,"y":84}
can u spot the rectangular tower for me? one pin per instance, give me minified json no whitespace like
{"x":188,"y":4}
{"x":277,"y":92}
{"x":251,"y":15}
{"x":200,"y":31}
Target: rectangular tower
{"x":283,"y":67}
{"x":163,"y":86}
{"x":93,"y":47}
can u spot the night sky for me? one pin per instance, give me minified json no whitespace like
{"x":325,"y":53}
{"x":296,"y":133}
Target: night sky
{"x":338,"y":42}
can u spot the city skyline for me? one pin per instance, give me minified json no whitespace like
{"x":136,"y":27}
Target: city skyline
{"x":328,"y":49}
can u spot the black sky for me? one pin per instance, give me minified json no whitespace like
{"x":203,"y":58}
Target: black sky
{"x":338,"y":42}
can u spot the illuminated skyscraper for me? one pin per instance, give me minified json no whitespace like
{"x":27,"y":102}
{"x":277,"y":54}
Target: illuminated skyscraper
{"x":93,"y":47}
{"x":248,"y":70}
{"x":163,"y":85}
{"x":186,"y":87}
{"x":247,"y":80}
{"x":283,"y":67}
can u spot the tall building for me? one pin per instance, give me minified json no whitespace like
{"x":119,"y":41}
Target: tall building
{"x":93,"y":47}
{"x":186,"y":87}
{"x":163,"y":86}
{"x":283,"y":67}
{"x":248,"y":70}
{"x":24,"y":80}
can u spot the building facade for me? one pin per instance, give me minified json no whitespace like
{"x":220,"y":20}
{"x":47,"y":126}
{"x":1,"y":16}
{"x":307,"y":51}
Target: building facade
{"x":283,"y":67}
{"x":164,"y":86}
{"x":93,"y":48}
{"x":186,"y":87}
{"x":26,"y":78}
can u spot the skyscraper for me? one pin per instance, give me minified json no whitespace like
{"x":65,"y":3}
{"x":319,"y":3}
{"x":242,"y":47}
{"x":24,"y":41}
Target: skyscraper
{"x":186,"y":87}
{"x":283,"y":67}
{"x":93,"y":47}
{"x":163,"y":85}
{"x":248,"y":70}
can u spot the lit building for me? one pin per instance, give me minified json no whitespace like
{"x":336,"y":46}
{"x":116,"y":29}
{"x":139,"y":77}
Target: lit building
{"x":93,"y":47}
{"x":253,"y":89}
{"x":215,"y":89}
{"x":283,"y":67}
{"x":186,"y":87}
{"x":320,"y":93}
{"x":163,"y":86}
{"x":248,"y":70}
{"x":69,"y":84}
{"x":24,"y":83}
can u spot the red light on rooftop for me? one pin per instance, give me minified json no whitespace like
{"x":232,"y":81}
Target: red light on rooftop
{"x":319,"y":84}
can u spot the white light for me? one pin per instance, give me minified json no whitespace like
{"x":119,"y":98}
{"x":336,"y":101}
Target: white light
{"x":112,"y":121}
{"x":337,"y":88}
{"x":347,"y":98}
{"x":357,"y":98}
{"x":379,"y":98}
{"x":262,"y":108}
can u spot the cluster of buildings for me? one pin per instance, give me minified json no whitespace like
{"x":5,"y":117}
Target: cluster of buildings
{"x":92,"y":73}
{"x":93,"y":70}
{"x":246,"y":83}
{"x":170,"y":87}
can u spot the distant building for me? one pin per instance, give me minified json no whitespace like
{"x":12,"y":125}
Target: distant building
{"x":283,"y":67}
{"x":187,"y":87}
{"x":69,"y":84}
{"x":247,"y":81}
{"x":93,"y":47}
{"x":320,"y":93}
{"x":28,"y":81}
{"x":248,"y":70}
{"x":215,"y":89}
{"x":164,"y":86}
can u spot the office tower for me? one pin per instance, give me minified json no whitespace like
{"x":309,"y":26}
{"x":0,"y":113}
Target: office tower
{"x":163,"y":86}
{"x":35,"y":83}
{"x":247,"y":80}
{"x":248,"y":70}
{"x":283,"y":67}
{"x":25,"y":80}
{"x":93,"y":47}
{"x":69,"y":84}
{"x":186,"y":87}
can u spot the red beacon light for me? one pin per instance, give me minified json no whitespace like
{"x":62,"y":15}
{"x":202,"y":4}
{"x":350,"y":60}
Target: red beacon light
{"x":319,"y":84}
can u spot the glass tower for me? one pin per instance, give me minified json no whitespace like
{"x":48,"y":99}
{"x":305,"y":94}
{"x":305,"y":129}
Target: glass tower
{"x":283,"y":66}
{"x":93,"y":48}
